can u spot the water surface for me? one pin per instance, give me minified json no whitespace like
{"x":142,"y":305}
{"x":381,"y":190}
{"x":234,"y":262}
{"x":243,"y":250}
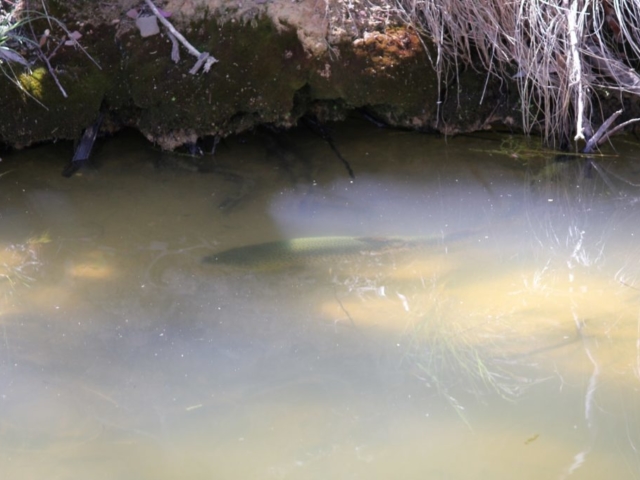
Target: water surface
{"x":508,"y":348}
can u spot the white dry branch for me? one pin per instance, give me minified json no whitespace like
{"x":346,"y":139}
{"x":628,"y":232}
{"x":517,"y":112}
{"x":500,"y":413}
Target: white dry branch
{"x":205,"y":60}
{"x":575,"y":69}
{"x":175,"y":48}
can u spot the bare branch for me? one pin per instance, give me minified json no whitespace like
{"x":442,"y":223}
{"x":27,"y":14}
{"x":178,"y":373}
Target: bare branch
{"x":597,"y":138}
{"x":207,"y":60}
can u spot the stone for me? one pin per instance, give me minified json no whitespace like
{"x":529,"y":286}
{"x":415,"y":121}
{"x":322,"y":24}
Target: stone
{"x":148,"y":26}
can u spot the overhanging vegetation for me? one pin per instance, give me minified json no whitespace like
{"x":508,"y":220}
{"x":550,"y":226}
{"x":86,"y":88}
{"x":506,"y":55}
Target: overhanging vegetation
{"x":566,"y":55}
{"x":573,"y":63}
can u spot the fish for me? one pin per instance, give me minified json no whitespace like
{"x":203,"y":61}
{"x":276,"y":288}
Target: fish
{"x":308,"y":251}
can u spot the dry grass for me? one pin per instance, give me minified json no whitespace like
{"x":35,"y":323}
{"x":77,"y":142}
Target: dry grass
{"x":563,"y":53}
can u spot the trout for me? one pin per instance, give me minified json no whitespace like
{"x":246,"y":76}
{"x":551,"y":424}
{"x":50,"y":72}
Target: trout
{"x":318,"y":251}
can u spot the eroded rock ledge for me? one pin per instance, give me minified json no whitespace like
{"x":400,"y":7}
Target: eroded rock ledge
{"x":278,"y":60}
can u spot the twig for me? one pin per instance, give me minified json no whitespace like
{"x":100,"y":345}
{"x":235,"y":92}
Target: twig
{"x":604,"y":133}
{"x":84,"y":50}
{"x":619,"y":127}
{"x":204,"y":56}
{"x":52,"y":72}
{"x":601,"y":135}
{"x":207,"y":60}
{"x":55,"y":50}
{"x":46,"y":61}
{"x":346,"y":312}
{"x":175,"y":50}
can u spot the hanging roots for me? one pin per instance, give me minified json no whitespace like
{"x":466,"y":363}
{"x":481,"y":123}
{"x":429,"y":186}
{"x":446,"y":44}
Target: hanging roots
{"x":564,"y":54}
{"x":561,"y":52}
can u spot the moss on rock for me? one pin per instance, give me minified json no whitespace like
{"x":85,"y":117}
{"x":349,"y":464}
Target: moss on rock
{"x":255,"y":80}
{"x":40,"y":112}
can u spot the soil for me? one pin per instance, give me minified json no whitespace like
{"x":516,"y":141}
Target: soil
{"x":278,"y":60}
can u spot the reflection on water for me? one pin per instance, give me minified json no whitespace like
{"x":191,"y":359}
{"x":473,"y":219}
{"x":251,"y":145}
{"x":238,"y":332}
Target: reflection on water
{"x":506,"y":346}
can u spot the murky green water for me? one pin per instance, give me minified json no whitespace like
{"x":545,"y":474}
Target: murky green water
{"x":509,"y":347}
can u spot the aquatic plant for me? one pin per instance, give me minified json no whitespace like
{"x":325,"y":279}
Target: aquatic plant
{"x":20,"y":261}
{"x":525,"y":149}
{"x":462,"y":355}
{"x":457,"y":354}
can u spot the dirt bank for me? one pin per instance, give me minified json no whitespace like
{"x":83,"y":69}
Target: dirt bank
{"x":277,"y":61}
